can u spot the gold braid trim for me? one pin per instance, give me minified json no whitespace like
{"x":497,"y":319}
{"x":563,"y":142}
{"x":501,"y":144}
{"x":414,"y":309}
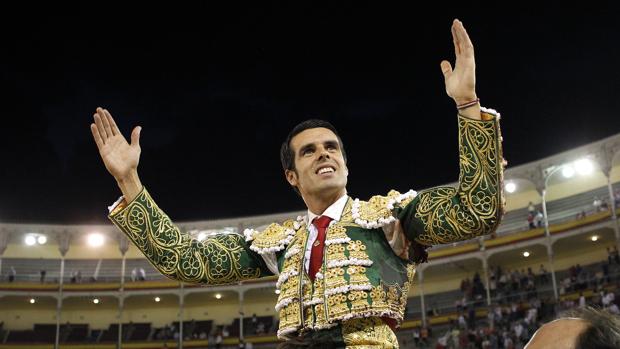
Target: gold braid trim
{"x":220,"y":259}
{"x":475,"y":208}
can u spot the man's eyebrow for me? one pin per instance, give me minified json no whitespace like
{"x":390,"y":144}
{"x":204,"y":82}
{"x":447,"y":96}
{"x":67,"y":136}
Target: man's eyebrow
{"x":333,"y":143}
{"x":305,"y":147}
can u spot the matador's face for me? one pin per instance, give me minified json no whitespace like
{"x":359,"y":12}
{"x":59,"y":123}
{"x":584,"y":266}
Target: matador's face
{"x":320,"y":169}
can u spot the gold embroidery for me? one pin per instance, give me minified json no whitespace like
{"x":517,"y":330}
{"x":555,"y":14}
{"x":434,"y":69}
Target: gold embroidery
{"x":337,"y":305}
{"x":476,"y":207}
{"x":369,"y":332}
{"x":274,"y":238}
{"x":291,"y":287}
{"x":221,"y":259}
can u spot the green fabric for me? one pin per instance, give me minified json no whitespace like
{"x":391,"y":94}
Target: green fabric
{"x":445,"y":214}
{"x":219,"y":259}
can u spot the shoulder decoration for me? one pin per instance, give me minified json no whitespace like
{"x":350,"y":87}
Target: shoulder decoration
{"x":273,"y":239}
{"x":377,"y":212}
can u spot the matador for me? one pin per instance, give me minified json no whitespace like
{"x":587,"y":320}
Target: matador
{"x":344,"y":270}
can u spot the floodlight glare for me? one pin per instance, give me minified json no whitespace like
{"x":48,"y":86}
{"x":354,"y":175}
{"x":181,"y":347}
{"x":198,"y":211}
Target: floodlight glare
{"x":594,"y":238}
{"x":157,"y":299}
{"x":511,"y":187}
{"x":526,"y":254}
{"x":42,"y":239}
{"x":584,"y":166}
{"x":30,"y":240}
{"x":32,"y":300}
{"x":202,"y":236}
{"x":95,"y":239}
{"x":568,"y":171}
{"x":218,"y":296}
{"x":96,"y":300}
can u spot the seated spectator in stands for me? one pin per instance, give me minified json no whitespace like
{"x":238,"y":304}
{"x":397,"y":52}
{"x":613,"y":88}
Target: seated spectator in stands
{"x":539,"y":219}
{"x":544,"y":277}
{"x":530,"y":220}
{"x":597,"y":204}
{"x":142,"y":275}
{"x":579,"y":328}
{"x":260,"y":328}
{"x":218,"y":340}
{"x":581,"y":215}
{"x":134,"y":274}
{"x":531,"y":208}
{"x":12,"y":274}
{"x":43,"y":272}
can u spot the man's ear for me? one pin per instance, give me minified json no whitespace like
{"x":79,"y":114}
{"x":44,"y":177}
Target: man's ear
{"x":291,"y":177}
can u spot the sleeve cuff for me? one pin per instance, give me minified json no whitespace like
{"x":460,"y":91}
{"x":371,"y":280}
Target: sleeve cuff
{"x":117,"y":205}
{"x":487,"y":114}
{"x":121,"y":203}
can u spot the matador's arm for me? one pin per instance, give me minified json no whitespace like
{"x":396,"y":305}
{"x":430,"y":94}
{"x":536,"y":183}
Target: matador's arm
{"x":446,"y":214}
{"x":219,"y":259}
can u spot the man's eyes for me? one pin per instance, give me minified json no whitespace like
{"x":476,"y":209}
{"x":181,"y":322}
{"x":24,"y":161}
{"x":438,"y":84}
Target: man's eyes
{"x":307,"y":151}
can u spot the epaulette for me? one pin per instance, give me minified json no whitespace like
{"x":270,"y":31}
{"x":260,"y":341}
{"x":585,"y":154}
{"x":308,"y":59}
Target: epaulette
{"x":273,"y":239}
{"x":377,"y":211}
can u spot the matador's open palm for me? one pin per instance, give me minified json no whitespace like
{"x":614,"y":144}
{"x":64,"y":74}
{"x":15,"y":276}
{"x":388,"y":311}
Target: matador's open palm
{"x":119,"y":157}
{"x":460,"y":82}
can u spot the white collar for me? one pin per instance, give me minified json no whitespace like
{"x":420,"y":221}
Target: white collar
{"x":334,"y":211}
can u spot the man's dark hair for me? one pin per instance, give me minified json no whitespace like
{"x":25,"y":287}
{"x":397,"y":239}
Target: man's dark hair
{"x":603,"y":330}
{"x":287,"y":155}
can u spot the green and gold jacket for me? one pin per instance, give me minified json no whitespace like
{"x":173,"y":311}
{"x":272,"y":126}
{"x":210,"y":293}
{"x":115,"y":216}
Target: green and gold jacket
{"x":361,"y":276}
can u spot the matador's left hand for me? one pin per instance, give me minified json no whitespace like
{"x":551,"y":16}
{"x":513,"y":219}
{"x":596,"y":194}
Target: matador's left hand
{"x":461,"y":82}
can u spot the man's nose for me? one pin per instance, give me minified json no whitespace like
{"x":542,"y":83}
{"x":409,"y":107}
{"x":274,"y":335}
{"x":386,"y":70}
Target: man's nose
{"x":324,"y":154}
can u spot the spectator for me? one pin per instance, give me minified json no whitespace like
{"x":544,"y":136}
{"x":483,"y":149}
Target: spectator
{"x":539,"y":219}
{"x":218,"y":340}
{"x":134,"y":274}
{"x":43,"y":272}
{"x":597,"y":204}
{"x":544,"y":275}
{"x":12,"y":274}
{"x":260,"y":328}
{"x":530,"y":220}
{"x":581,"y":215}
{"x":617,"y":197}
{"x":531,"y":209}
{"x":142,"y":275}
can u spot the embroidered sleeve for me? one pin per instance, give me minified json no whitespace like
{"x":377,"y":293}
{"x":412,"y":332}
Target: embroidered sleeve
{"x":446,"y":214}
{"x":219,"y":259}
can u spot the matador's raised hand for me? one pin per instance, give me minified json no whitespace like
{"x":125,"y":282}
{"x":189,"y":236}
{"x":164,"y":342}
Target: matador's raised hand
{"x":119,"y":157}
{"x":461,"y":82}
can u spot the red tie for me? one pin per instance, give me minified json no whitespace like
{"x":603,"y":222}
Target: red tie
{"x":316,"y":254}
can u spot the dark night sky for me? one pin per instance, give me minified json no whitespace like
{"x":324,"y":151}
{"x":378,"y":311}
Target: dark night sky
{"x":217,"y":89}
